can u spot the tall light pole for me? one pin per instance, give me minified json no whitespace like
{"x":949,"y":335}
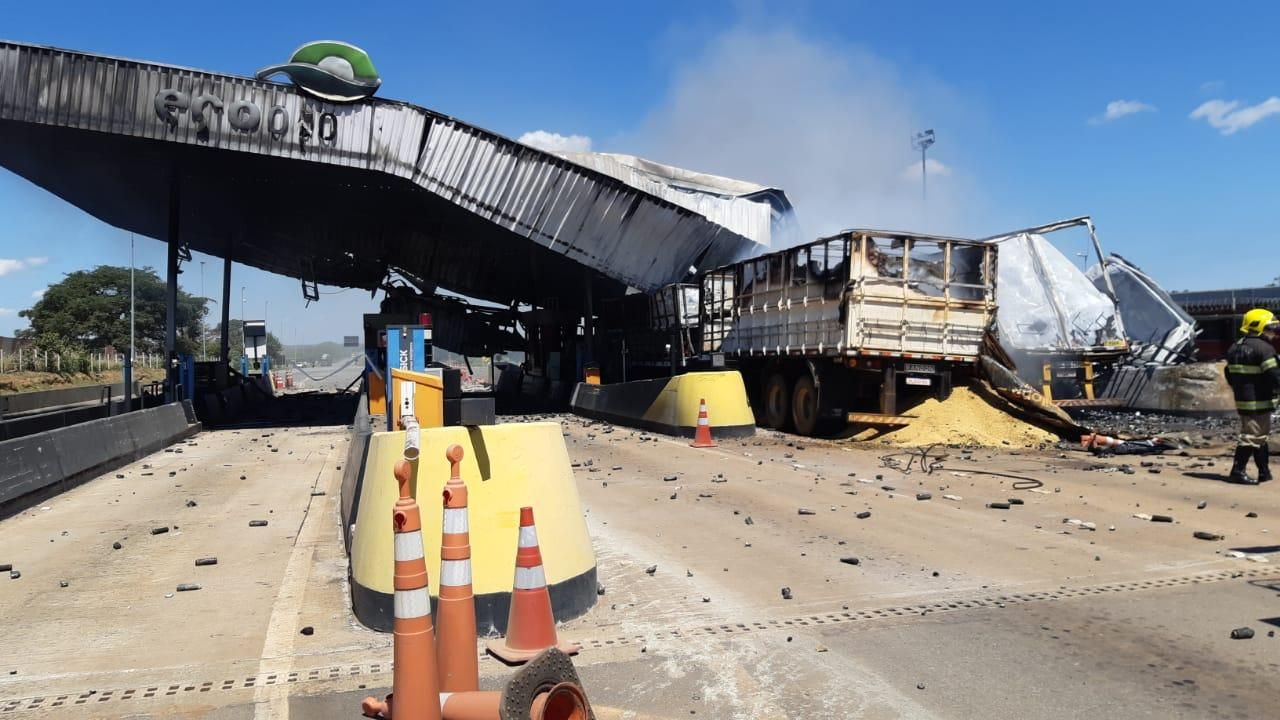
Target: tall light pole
{"x":204,"y":338}
{"x":132,"y":306}
{"x":922,"y":141}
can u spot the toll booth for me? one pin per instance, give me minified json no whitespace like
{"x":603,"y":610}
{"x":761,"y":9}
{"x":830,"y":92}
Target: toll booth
{"x":393,"y":341}
{"x":255,"y":347}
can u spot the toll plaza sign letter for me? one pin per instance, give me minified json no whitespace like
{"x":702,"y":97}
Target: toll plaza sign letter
{"x":207,"y":112}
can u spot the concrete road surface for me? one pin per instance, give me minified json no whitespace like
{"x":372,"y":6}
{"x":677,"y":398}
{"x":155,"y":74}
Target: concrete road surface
{"x":952,"y":610}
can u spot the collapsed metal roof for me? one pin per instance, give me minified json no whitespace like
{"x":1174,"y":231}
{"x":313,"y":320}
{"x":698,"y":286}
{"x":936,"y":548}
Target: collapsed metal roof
{"x":338,"y":193}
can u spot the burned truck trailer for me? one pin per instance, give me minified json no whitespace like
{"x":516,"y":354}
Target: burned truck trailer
{"x":836,"y":331}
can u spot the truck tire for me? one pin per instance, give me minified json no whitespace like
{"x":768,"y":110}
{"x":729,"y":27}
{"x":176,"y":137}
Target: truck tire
{"x":777,"y":402}
{"x":804,"y":406}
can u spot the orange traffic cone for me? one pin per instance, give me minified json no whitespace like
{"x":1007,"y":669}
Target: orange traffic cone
{"x":415,"y":685}
{"x":459,"y":665}
{"x":531,"y":626}
{"x":702,"y":435}
{"x":1094,"y":441}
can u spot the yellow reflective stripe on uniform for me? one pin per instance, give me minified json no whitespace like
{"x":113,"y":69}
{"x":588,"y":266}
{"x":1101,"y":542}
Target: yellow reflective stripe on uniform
{"x":1255,"y":405}
{"x":1248,"y":369}
{"x":1269,"y":363}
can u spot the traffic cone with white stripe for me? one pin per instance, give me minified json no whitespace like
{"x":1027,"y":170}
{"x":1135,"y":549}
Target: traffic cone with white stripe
{"x":531,"y":626}
{"x":415,"y":685}
{"x":702,"y":435}
{"x":458,"y":663}
{"x":1094,"y":441}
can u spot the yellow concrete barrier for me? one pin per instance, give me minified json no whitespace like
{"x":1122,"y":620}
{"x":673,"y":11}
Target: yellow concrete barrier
{"x":505,"y":467}
{"x":670,"y":405}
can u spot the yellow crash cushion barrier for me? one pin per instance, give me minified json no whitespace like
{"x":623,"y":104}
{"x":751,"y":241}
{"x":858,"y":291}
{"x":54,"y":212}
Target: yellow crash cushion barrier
{"x":670,"y":405}
{"x":505,"y":467}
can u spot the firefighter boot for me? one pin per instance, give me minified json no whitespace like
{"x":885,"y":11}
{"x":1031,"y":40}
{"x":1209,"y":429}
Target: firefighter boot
{"x":1261,"y":456}
{"x":1238,"y":474}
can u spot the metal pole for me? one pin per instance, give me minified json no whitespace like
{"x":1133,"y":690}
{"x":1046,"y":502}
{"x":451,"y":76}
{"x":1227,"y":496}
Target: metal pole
{"x":132,"y":307}
{"x":924,"y":176}
{"x":226,"y":310}
{"x":204,"y":341}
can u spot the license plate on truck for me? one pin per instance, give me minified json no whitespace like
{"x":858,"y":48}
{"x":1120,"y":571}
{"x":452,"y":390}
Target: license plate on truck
{"x":919,"y":381}
{"x":920,"y":368}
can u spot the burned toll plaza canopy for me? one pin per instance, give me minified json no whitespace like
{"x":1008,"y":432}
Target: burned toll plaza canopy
{"x":318,"y":180}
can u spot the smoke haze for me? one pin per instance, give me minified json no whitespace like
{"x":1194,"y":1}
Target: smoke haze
{"x":829,"y":125}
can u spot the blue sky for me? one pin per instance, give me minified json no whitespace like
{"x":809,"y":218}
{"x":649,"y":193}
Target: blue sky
{"x":817,"y":98}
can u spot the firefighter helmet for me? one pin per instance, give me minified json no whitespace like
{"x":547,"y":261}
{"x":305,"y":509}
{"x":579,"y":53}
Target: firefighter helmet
{"x":1257,"y":320}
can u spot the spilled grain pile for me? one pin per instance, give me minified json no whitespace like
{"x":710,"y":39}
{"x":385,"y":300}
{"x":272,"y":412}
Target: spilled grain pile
{"x":966,"y":419}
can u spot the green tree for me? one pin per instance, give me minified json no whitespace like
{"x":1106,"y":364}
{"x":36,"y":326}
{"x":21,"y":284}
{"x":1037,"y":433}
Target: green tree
{"x":89,"y":309}
{"x":236,"y":342}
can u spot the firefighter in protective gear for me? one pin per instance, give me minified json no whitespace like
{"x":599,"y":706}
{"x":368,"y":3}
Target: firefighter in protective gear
{"x":1253,"y":370}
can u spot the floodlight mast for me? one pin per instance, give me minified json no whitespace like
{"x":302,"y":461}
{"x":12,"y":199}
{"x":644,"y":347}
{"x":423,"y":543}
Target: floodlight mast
{"x":922,"y":141}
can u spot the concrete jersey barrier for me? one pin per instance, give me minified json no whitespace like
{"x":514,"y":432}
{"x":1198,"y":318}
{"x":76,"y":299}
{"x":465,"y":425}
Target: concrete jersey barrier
{"x":670,"y":405}
{"x":43,"y":465}
{"x":41,"y":399}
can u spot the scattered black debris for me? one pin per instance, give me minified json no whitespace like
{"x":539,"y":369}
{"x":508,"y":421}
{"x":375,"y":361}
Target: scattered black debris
{"x":599,"y":589}
{"x":924,"y":496}
{"x":998,"y":505}
{"x":669,"y":478}
{"x":1016,"y":501}
{"x":919,"y":686}
{"x":15,"y":574}
{"x":806,"y":511}
{"x":1202,"y":535}
{"x":317,"y":493}
{"x":863,"y":515}
{"x":1251,"y":514}
{"x":160,"y":530}
{"x":308,"y":631}
{"x":63,"y":583}
{"x":1202,"y":505}
{"x":257,"y":523}
{"x":201,"y":562}
{"x":188,"y":587}
{"x":1242,"y":633}
{"x":6,"y":567}
{"x":1162,"y":518}
{"x":116,"y":546}
{"x":749,"y":521}
{"x":786,"y":593}
{"x":191,"y":503}
{"x":850,"y":561}
{"x":651,"y":569}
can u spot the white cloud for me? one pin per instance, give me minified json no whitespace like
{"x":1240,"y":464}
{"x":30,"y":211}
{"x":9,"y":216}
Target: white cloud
{"x":7,"y":311}
{"x":13,"y":265}
{"x":1117,"y":109}
{"x":1229,"y":117}
{"x":934,"y":168}
{"x":38,"y":294}
{"x":555,"y":142}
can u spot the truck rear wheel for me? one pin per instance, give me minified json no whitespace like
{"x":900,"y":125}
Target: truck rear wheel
{"x":777,"y":402}
{"x":804,"y":406}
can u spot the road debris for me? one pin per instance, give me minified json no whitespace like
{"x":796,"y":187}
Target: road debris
{"x":187,"y":587}
{"x":786,"y":593}
{"x":1242,"y":633}
{"x":202,"y":562}
{"x":1203,"y":535}
{"x":160,"y":530}
{"x":850,"y":561}
{"x":863,"y":515}
{"x":806,"y":511}
{"x":257,"y":523}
